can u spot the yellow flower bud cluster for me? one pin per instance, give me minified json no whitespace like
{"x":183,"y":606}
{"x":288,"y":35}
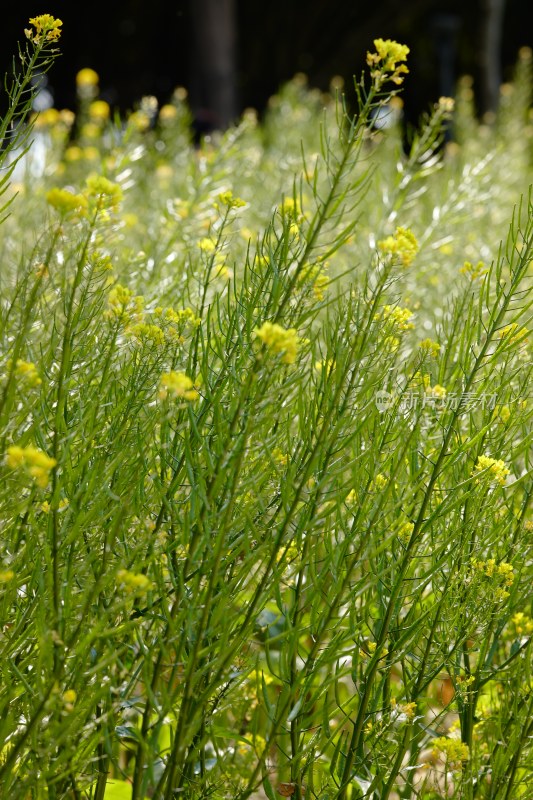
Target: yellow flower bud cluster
{"x":387,"y":59}
{"x":279,"y":340}
{"x":47,"y":29}
{"x":454,"y":751}
{"x":66,"y":202}
{"x":34,"y":461}
{"x":429,"y":347}
{"x":123,"y":305}
{"x":494,"y":469}
{"x":177,"y":385}
{"x":229,"y":200}
{"x":27,"y":373}
{"x":403,"y":244}
{"x":133,"y":582}
{"x":399,"y":318}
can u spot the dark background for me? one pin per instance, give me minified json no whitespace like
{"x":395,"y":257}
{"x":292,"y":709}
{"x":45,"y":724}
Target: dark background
{"x":231,"y":54}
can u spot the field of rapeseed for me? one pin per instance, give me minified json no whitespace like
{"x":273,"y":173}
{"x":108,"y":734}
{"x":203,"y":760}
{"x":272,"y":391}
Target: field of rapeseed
{"x":265,"y":436}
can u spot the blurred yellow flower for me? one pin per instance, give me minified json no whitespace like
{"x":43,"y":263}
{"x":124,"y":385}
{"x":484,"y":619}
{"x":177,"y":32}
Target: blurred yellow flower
{"x":178,"y":385}
{"x":35,"y":462}
{"x":87,"y":77}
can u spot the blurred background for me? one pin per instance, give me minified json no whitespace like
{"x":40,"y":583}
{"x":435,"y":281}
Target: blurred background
{"x":233,"y":54}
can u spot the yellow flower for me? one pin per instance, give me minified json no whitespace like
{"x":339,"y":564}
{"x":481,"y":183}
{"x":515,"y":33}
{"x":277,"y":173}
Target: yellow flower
{"x":134,"y":583}
{"x":168,"y":113}
{"x":87,"y":77}
{"x":47,"y":29}
{"x":207,"y":245}
{"x":123,"y":305}
{"x":408,"y":709}
{"x":386,"y":60}
{"x":522,"y":624}
{"x":398,"y":317}
{"x":69,"y":697}
{"x":430,"y":347}
{"x":403,"y":243}
{"x":73,"y":153}
{"x":290,"y":208}
{"x":404,"y":531}
{"x":108,"y":193}
{"x":228,"y":199}
{"x":139,"y":120}
{"x":36,"y":463}
{"x":279,"y":457}
{"x":27,"y":372}
{"x":436,"y":391}
{"x":99,"y":110}
{"x":474,"y":272}
{"x":513,"y":333}
{"x":66,"y":202}
{"x":495,"y":469}
{"x":47,"y":118}
{"x":315,"y":275}
{"x":454,"y":751}
{"x":379,"y":482}
{"x":6,"y":575}
{"x":177,"y":384}
{"x":150,"y":334}
{"x":279,"y":340}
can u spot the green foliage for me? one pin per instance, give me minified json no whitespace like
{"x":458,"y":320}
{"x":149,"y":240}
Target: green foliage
{"x":266,"y":483}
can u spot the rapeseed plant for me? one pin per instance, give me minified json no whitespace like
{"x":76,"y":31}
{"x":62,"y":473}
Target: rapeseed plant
{"x":265,"y":437}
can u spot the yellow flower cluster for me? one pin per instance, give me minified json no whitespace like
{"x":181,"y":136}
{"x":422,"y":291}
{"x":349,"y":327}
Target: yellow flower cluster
{"x":67,"y":202}
{"x":387,"y":59}
{"x":27,"y":372}
{"x":47,"y":29}
{"x":184,"y":317}
{"x":148,"y":333}
{"x":123,"y":305}
{"x":437,"y":391}
{"x":34,"y":461}
{"x":513,"y":333}
{"x":278,"y":340}
{"x":207,"y":245}
{"x":523,"y":624}
{"x":379,"y":482}
{"x":404,"y":531}
{"x":134,"y":582}
{"x":454,"y":751}
{"x":315,"y":275}
{"x":403,"y":244}
{"x":280,"y":458}
{"x":51,"y":117}
{"x":490,"y":569}
{"x":6,"y":575}
{"x":474,"y":272}
{"x":46,"y":507}
{"x":290,"y":208}
{"x":496,"y":469}
{"x":106,"y":193}
{"x":404,"y":712}
{"x":369,"y":649}
{"x":399,"y":317}
{"x":429,"y":347}
{"x":229,"y":200}
{"x":177,"y":385}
